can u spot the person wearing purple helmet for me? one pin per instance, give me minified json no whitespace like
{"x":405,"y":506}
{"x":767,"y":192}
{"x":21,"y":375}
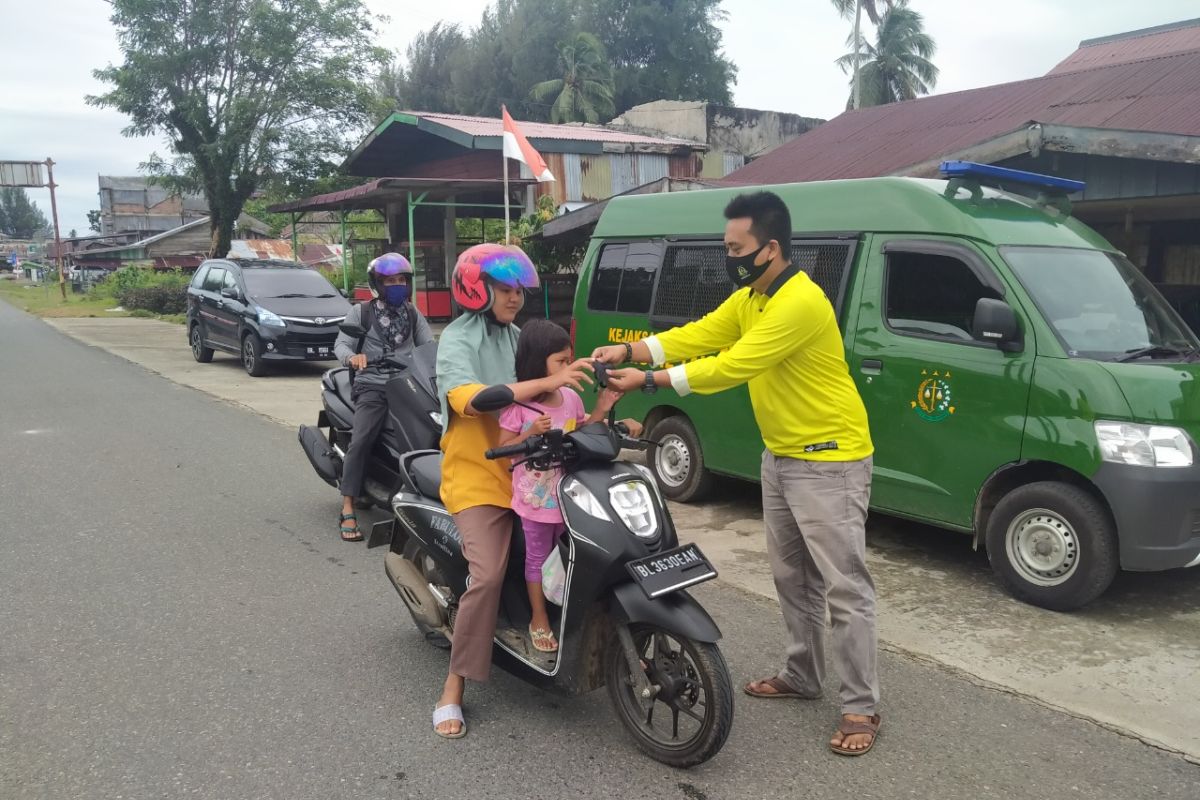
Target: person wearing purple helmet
{"x":393,"y":327}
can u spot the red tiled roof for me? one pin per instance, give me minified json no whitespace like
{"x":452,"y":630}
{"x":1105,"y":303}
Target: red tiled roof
{"x":1135,"y":46}
{"x":1159,"y":95}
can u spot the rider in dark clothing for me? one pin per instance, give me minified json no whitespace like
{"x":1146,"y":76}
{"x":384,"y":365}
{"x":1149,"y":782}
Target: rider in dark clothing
{"x":394,"y":327}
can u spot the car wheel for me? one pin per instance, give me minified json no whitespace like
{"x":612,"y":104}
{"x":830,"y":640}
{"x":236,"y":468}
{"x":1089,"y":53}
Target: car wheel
{"x":1053,"y":545}
{"x":252,"y":358}
{"x":199,"y":351}
{"x":678,"y":461}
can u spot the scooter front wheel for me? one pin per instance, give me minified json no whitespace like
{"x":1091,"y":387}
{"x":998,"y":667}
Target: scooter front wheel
{"x":688,"y":716}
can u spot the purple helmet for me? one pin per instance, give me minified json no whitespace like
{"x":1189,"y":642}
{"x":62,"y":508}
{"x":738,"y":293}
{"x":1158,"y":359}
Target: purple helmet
{"x":386,"y":264}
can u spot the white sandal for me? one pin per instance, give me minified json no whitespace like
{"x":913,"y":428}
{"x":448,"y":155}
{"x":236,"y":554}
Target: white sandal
{"x":446,"y":713}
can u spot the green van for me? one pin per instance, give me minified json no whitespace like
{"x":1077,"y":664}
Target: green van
{"x":1025,"y":383}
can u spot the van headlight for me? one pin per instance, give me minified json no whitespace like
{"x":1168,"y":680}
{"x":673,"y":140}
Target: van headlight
{"x":583,"y":499}
{"x":1143,"y":445}
{"x":635,"y":506}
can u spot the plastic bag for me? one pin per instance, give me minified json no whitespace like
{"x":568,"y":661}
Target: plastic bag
{"x":554,"y":578}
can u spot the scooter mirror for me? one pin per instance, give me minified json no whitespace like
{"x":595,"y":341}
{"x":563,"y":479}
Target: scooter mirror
{"x":493,"y":398}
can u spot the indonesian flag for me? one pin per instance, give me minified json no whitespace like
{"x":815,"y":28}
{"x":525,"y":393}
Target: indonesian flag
{"x":518,"y":147}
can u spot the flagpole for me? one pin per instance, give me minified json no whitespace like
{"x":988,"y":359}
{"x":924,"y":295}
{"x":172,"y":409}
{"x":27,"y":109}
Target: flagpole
{"x":504,"y":163}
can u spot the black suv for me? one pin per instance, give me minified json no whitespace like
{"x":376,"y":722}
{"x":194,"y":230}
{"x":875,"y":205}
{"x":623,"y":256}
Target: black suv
{"x":263,"y":311}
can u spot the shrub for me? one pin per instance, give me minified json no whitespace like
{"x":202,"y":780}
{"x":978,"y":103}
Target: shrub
{"x":161,"y":299}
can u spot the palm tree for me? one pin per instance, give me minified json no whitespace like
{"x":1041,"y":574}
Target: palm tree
{"x":847,"y":10}
{"x":897,"y":67}
{"x":585,"y":91}
{"x":854,"y":8}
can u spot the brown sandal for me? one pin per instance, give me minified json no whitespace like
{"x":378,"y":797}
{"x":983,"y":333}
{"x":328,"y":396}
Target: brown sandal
{"x":851,"y":728}
{"x":779,"y":689}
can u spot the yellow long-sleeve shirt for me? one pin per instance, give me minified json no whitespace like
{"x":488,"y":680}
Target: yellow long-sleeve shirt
{"x":786,"y":345}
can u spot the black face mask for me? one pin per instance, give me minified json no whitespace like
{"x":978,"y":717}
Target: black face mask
{"x":743,"y":271}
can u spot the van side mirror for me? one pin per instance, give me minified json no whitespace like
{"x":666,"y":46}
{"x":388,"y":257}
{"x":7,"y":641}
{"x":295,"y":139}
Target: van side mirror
{"x":996,"y":323}
{"x":352,"y":330}
{"x":493,"y":398}
{"x":231,"y":293}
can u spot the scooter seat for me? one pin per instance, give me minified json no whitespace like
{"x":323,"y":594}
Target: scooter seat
{"x":426,"y":471}
{"x":341,"y":383}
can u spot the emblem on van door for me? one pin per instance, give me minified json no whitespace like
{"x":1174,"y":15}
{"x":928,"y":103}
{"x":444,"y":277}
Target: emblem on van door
{"x":934,"y":397}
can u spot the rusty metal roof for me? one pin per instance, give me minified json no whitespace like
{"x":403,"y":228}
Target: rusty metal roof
{"x":494,"y":126}
{"x":1160,"y":94}
{"x":1178,"y":37}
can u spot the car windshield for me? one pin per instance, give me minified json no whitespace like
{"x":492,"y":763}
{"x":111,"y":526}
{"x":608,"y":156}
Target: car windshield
{"x":266,"y":283}
{"x":1100,"y":305}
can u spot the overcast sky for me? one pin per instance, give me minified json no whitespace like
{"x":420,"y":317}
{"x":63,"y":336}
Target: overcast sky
{"x":784,"y":50}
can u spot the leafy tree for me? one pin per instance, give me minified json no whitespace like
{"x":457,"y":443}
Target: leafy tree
{"x":241,"y":87}
{"x":94,"y":220}
{"x":20,"y":218}
{"x":425,"y":84}
{"x":584,"y":93}
{"x":657,"y":49}
{"x":898,"y":66}
{"x":662,"y":49}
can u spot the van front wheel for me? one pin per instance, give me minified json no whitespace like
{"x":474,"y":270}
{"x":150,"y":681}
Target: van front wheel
{"x":1053,"y":545}
{"x":678,"y":461}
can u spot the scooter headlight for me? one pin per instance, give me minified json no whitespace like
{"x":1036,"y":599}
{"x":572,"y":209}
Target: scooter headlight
{"x":634,"y":504}
{"x":583,"y":499}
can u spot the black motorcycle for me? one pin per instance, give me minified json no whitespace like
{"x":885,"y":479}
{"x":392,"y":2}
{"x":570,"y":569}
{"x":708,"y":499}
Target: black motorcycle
{"x":626,"y":619}
{"x":414,"y":421}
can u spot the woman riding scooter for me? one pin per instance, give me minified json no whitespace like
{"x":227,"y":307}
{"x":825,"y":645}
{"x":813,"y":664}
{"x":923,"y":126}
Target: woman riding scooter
{"x":475,"y":351}
{"x":393,"y":328}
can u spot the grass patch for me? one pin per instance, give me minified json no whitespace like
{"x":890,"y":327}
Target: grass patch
{"x":44,"y":300}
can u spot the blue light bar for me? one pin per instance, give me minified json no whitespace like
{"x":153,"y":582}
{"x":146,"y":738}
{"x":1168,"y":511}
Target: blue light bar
{"x":980,"y":172}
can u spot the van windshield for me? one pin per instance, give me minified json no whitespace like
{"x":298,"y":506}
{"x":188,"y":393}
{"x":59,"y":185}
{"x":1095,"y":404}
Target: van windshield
{"x":1100,"y":305}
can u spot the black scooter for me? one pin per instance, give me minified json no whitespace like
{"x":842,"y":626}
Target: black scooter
{"x":414,"y":421}
{"x":626,"y":619}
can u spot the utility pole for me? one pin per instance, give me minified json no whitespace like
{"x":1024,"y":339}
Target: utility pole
{"x":28,"y":174}
{"x":62,"y":277}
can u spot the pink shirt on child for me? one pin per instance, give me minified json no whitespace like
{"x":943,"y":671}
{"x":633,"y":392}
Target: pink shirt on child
{"x":535,"y":493}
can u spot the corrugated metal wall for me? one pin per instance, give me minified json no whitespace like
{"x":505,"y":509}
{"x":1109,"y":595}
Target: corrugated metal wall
{"x":594,"y":177}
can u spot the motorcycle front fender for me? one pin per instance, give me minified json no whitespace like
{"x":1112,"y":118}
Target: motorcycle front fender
{"x":677,"y":612}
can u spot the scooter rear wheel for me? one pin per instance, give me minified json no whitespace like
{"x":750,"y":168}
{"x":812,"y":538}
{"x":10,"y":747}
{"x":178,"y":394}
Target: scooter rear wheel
{"x":688,"y":720}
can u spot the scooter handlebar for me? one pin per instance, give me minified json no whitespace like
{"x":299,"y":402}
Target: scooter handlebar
{"x":526,"y":447}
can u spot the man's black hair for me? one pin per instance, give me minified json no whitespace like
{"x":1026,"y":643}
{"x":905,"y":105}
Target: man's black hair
{"x":769,"y":218}
{"x":540,"y":339}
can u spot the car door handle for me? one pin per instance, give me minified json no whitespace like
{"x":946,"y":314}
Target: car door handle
{"x":872,"y":366}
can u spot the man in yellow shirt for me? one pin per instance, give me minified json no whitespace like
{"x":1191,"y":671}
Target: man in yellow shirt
{"x":778,"y":333}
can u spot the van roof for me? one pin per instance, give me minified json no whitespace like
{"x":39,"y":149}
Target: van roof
{"x":879,"y":205}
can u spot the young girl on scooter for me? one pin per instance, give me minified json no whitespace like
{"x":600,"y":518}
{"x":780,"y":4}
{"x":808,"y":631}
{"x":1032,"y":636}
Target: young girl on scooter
{"x":544,"y":349}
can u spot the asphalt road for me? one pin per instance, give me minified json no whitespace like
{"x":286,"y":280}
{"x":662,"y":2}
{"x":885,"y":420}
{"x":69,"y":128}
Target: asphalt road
{"x":178,"y":619}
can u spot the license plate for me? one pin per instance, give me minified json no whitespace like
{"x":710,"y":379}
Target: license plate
{"x":318,"y":351}
{"x":671,"y":571}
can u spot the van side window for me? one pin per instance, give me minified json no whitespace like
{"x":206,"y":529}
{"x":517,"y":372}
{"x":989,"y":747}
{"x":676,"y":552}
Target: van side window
{"x":230,"y":280}
{"x":198,"y":278}
{"x":932,"y":295}
{"x":624,"y":279}
{"x":693,"y":282}
{"x":214,"y":279}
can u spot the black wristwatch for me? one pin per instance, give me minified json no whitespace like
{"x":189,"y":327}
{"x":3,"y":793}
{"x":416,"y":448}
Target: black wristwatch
{"x":649,"y":387}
